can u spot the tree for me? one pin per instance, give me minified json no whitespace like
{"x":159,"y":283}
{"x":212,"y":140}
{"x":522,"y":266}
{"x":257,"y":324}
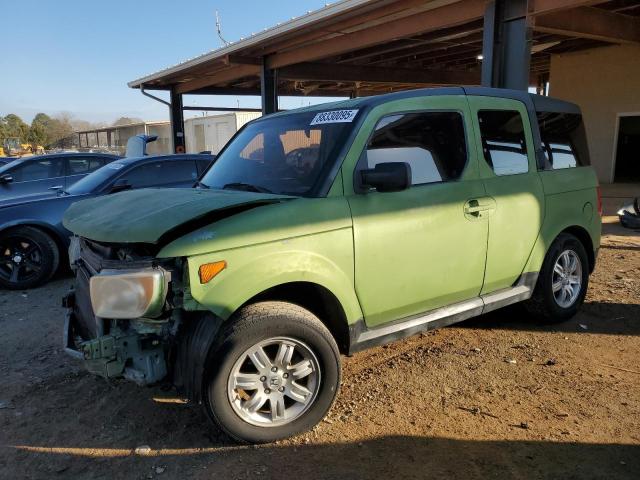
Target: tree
{"x":15,"y":127}
{"x":37,"y":134}
{"x":126,"y":121}
{"x":40,"y":131}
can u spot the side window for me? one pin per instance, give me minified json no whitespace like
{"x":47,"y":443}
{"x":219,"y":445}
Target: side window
{"x":39,"y":170}
{"x":432,"y":143}
{"x":563,"y":139}
{"x":162,"y":173}
{"x":203,"y":164}
{"x":84,"y":165}
{"x":96,"y":163}
{"x":503,"y":141}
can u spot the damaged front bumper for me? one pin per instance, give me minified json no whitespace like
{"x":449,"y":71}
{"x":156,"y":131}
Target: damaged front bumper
{"x":140,"y":357}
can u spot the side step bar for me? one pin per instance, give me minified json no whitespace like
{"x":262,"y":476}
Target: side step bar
{"x":361,"y":337}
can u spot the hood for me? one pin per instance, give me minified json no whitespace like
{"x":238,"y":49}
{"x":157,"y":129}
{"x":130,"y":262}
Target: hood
{"x":147,"y":215}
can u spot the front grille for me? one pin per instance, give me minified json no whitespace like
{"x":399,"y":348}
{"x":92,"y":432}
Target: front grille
{"x":87,"y":323}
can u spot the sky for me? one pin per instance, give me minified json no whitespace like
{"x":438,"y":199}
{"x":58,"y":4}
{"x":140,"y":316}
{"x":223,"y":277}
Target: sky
{"x":77,"y":56}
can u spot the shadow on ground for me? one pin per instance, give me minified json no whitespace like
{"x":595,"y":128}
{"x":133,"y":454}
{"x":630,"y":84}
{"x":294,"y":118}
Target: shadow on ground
{"x":593,"y":317}
{"x":401,"y":457}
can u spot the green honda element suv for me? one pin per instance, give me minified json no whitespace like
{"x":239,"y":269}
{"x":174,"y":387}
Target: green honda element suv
{"x":327,"y":230}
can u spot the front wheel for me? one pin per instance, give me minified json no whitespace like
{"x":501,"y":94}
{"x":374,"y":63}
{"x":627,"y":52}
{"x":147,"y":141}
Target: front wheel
{"x":274,"y":374}
{"x":562,"y":282}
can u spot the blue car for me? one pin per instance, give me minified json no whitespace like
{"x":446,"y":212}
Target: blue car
{"x":48,"y":173}
{"x":32,"y":238}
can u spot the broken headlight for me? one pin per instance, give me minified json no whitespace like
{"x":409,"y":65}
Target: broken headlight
{"x":131,"y":294}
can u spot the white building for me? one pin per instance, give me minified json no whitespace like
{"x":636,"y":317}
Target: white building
{"x":212,"y":132}
{"x":209,"y":132}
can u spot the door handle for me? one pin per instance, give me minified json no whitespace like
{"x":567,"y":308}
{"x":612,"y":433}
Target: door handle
{"x":475,"y":208}
{"x":56,"y":187}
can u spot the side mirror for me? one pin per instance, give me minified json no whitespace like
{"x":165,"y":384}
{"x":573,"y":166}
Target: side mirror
{"x":388,"y":177}
{"x":6,"y":178}
{"x":120,"y":185}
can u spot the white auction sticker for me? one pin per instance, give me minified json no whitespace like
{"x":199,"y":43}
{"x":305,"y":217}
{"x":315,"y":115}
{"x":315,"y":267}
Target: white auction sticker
{"x":337,"y":116}
{"x":115,"y":166}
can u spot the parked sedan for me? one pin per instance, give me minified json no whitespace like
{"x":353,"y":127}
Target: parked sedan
{"x":48,"y":173}
{"x":32,"y":238}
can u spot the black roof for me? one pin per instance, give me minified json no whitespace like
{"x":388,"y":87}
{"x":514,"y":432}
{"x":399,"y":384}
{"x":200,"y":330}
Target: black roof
{"x":531,"y":100}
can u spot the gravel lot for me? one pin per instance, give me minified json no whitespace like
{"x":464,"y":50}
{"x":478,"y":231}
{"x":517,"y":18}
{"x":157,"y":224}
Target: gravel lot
{"x":495,"y":397}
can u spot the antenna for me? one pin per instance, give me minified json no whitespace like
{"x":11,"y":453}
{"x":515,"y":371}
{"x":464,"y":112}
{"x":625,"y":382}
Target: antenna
{"x":219,"y":29}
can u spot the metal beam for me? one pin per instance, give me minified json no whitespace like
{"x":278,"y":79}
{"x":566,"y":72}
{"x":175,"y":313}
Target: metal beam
{"x":442,"y":17}
{"x":268,"y":89}
{"x":356,"y":73}
{"x":506,"y":48}
{"x":539,"y":7}
{"x":222,"y":109}
{"x":592,"y":23}
{"x":216,"y":78}
{"x":177,"y":122}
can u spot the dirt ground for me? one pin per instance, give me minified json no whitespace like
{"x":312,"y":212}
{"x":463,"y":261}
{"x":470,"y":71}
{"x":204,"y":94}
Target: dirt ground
{"x":494,"y":397}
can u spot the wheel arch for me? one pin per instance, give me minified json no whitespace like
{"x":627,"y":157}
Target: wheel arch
{"x":583,"y":236}
{"x":49,"y":229}
{"x":316,"y":298}
{"x":546,"y":239}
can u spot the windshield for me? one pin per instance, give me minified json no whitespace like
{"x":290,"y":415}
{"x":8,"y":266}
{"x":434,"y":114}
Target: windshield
{"x":95,"y":179}
{"x":287,"y":155}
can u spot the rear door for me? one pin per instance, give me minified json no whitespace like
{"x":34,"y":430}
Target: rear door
{"x":509,"y":172}
{"x":79,"y":167}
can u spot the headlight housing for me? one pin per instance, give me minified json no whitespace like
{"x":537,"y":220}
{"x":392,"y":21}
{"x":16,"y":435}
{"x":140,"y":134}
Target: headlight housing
{"x":131,"y":294}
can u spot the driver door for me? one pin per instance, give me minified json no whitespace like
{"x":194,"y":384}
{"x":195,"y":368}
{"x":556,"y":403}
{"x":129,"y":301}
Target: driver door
{"x":425,"y":247}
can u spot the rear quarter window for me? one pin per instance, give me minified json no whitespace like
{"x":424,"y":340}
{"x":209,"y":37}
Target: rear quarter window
{"x":563,"y":139}
{"x":503,"y":141}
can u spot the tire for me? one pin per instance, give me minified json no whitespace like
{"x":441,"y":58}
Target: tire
{"x":28,"y":258}
{"x":545,"y":305}
{"x":284,"y":325}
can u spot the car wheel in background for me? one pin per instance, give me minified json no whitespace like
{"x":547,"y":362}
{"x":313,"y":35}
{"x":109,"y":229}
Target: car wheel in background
{"x":28,"y":258}
{"x":274,"y":374}
{"x":562,"y":283}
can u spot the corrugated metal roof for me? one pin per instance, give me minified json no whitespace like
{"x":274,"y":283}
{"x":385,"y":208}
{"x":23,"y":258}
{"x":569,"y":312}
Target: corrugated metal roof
{"x":294,"y":24}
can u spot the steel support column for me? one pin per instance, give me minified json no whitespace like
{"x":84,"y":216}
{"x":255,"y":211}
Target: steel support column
{"x":506,"y":45}
{"x":268,"y":89}
{"x":177,"y":122}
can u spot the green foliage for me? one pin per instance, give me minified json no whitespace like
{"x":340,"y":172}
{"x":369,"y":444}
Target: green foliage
{"x":15,"y":127}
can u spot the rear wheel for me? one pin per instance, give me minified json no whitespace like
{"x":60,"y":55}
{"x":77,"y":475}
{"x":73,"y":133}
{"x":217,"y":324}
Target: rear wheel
{"x":275,"y":373}
{"x":28,"y":258}
{"x":562,"y":283}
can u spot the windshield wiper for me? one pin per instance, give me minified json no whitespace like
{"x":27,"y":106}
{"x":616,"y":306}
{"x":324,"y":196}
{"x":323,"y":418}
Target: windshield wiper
{"x":246,"y":186}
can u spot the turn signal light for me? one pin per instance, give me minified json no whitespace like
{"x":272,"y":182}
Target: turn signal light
{"x":208,"y":271}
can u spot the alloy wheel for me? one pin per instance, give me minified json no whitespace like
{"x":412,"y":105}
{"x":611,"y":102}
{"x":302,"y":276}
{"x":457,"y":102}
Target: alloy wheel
{"x":20,"y":259}
{"x":567,"y":278}
{"x":274,"y":382}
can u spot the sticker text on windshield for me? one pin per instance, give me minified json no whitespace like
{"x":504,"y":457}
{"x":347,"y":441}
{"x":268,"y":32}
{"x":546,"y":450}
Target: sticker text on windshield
{"x":337,"y":116}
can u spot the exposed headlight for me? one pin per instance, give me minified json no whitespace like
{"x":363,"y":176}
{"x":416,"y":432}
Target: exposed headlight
{"x":74,"y":251}
{"x":133,"y":294}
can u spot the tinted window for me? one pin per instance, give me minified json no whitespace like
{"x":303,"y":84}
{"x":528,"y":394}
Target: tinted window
{"x":95,"y":179}
{"x":39,"y":170}
{"x":162,"y":173}
{"x":503,"y":141}
{"x":563,"y":139}
{"x":432,"y":143}
{"x":203,"y":163}
{"x":83,"y":165}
